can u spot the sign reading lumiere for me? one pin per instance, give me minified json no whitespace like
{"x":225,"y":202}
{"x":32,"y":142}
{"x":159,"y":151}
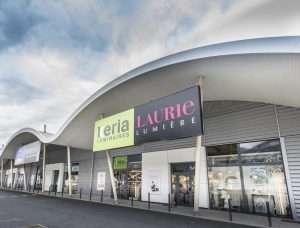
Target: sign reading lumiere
{"x":175,"y":116}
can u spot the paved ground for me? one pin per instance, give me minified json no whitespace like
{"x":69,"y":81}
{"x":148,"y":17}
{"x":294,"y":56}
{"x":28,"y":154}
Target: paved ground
{"x":22,"y":210}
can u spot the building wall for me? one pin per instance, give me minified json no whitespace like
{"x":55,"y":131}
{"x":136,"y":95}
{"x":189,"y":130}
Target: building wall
{"x":224,"y":122}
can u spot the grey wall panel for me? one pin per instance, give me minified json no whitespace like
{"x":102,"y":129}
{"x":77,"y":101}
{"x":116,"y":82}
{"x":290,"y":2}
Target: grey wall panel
{"x":212,"y":108}
{"x":170,"y":144}
{"x":85,"y":155}
{"x":127,"y":151}
{"x":84,"y":176}
{"x":53,"y":157}
{"x":101,"y":165}
{"x":292,"y":145}
{"x":245,"y":125}
{"x":289,"y":120}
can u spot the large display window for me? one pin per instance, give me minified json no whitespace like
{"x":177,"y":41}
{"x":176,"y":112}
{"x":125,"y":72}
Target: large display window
{"x":74,"y":177}
{"x":250,"y":174}
{"x":128,"y":176}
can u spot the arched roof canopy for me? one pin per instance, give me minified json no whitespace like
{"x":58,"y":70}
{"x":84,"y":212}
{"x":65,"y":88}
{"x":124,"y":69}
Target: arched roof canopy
{"x":258,"y":70}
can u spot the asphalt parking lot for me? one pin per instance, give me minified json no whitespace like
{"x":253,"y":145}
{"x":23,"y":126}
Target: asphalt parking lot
{"x":25,"y":210}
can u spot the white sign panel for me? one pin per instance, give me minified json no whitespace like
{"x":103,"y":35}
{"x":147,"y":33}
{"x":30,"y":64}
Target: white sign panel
{"x":28,"y":153}
{"x":155,"y":182}
{"x":101,"y":181}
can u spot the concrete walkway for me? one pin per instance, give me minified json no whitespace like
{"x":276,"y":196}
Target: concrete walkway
{"x":223,"y":216}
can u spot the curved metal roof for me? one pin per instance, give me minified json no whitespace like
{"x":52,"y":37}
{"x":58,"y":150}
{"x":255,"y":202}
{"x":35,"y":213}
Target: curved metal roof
{"x":259,"y":70}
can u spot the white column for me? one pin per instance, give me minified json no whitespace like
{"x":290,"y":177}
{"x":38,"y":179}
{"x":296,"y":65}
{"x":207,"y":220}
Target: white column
{"x":69,"y":169}
{"x":11,"y":173}
{"x":204,"y":195}
{"x":2,"y":173}
{"x":44,"y":167}
{"x":198,"y":156}
{"x":25,"y":179}
{"x":113,"y":184}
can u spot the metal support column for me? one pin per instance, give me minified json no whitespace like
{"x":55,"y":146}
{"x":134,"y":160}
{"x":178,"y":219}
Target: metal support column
{"x":198,"y":156}
{"x":113,"y":184}
{"x":69,"y":169}
{"x":44,"y":167}
{"x":11,"y":173}
{"x":24,"y":178}
{"x":2,"y":173}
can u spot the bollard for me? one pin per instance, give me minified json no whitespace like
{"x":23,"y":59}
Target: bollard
{"x":148,"y":200}
{"x":132,"y":200}
{"x":229,"y":210}
{"x":90,"y":194}
{"x":101,"y":196}
{"x":49,"y":190}
{"x":62,"y":192}
{"x":269,"y":214}
{"x":80,"y":193}
{"x":169,"y":203}
{"x":29,"y":188}
{"x":22,"y":188}
{"x":55,"y":190}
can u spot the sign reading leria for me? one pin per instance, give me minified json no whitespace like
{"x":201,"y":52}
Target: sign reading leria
{"x":28,"y":153}
{"x":114,"y":131}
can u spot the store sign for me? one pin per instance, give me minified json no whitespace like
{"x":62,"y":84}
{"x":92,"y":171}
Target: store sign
{"x":114,"y":131}
{"x":120,"y":163}
{"x":28,"y":153}
{"x":171,"y":117}
{"x":175,"y":116}
{"x":101,"y":181}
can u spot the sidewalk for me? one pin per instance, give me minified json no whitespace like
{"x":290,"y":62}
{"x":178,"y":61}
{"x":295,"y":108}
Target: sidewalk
{"x":223,"y":216}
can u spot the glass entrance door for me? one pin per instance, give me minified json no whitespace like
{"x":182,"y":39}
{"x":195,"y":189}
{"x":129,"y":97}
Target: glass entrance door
{"x":183,"y":189}
{"x":183,"y":183}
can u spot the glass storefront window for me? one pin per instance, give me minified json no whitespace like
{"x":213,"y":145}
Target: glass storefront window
{"x":74,"y":177}
{"x":222,"y":155}
{"x":224,"y":184}
{"x":266,"y":183}
{"x":128,"y":176}
{"x":250,"y":176}
{"x":261,"y":152}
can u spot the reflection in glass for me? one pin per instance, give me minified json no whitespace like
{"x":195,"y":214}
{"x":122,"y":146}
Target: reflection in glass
{"x":222,"y":155}
{"x":224,"y":184}
{"x":266,"y":183}
{"x":262,"y":173}
{"x":261,"y":152}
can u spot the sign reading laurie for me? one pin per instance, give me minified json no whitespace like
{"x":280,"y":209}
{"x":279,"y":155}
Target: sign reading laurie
{"x":175,"y":116}
{"x":28,"y":153}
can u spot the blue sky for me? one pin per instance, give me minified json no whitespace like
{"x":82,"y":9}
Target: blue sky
{"x":55,"y":53}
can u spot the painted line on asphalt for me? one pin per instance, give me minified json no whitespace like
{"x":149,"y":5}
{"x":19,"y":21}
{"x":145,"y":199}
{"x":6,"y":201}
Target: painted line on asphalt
{"x":10,"y":220}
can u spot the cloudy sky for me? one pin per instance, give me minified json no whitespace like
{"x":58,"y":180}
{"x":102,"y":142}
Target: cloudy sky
{"x":55,"y":53}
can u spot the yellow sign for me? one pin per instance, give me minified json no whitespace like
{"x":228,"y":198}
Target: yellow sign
{"x":114,"y":131}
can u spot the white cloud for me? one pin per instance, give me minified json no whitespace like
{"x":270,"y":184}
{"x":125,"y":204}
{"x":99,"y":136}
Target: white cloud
{"x":67,"y":51}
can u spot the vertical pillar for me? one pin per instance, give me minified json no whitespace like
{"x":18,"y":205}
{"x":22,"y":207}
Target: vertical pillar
{"x":24,"y":179}
{"x":44,"y":167}
{"x":2,"y":173}
{"x":198,"y":156}
{"x":92,"y":172}
{"x":69,"y":169}
{"x":11,"y":173}
{"x":111,"y":172}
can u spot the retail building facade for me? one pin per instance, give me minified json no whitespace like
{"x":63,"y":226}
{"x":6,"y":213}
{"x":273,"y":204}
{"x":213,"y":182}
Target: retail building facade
{"x":250,"y":150}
